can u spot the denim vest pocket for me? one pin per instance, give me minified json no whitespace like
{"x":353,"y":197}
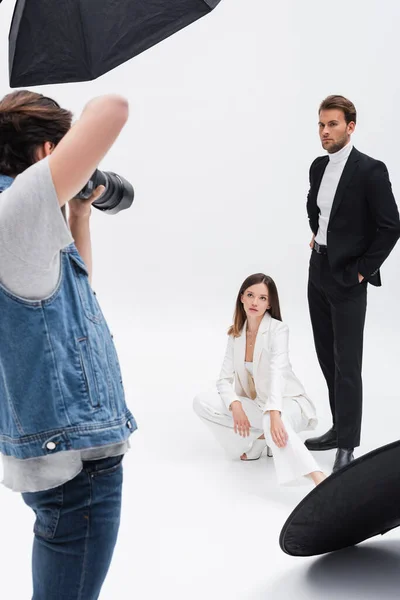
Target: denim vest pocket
{"x":88,"y":298}
{"x":88,"y":371}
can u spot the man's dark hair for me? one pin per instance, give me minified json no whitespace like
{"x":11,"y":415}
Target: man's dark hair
{"x":340,"y":103}
{"x":28,"y":120}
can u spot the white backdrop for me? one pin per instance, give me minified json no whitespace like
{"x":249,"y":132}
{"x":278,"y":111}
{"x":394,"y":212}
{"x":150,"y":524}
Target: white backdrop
{"x":222,"y":131}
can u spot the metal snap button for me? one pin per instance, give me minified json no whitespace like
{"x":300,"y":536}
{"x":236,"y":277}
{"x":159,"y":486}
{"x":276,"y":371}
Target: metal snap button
{"x":51,"y":445}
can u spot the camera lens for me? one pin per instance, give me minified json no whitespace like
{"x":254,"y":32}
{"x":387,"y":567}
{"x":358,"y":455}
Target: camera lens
{"x":118,"y":194}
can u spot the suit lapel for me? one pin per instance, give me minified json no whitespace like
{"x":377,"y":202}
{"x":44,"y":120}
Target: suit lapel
{"x":319,"y":171}
{"x":348,"y":172}
{"x":319,"y":174}
{"x":260,"y":339}
{"x":240,"y":354}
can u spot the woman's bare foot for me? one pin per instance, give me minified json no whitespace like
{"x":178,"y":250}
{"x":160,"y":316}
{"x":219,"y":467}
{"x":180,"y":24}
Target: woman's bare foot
{"x":244,"y":455}
{"x":317,"y":477}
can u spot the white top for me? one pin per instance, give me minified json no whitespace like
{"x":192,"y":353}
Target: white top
{"x":249,"y":367}
{"x":328,"y":187}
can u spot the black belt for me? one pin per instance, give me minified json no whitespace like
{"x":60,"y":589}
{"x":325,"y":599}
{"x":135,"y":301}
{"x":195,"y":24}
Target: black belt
{"x":319,"y":249}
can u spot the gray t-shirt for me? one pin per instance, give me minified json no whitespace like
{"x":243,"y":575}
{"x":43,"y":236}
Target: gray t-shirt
{"x":33,"y":231}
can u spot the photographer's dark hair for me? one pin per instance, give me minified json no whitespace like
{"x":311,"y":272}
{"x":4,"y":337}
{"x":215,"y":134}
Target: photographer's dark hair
{"x":27,"y":121}
{"x":340,"y":103}
{"x":239,"y":317}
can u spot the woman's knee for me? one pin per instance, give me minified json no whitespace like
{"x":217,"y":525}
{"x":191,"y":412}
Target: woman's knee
{"x":199,"y":405}
{"x":208,"y":404}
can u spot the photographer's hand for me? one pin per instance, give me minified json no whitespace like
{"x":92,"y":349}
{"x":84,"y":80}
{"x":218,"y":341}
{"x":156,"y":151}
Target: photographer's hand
{"x":83,"y":208}
{"x":79,"y":219}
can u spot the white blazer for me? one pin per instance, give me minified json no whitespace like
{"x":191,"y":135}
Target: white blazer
{"x":272,"y":372}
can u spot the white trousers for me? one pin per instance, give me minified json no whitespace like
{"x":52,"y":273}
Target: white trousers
{"x":292,"y":462}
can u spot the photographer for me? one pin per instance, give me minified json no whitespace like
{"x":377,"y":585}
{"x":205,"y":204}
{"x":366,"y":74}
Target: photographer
{"x":64,"y":423}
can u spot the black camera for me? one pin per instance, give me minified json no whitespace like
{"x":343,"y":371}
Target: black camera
{"x":117,"y":196}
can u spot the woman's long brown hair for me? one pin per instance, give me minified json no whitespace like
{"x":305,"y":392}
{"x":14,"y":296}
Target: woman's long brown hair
{"x":28,"y":120}
{"x":239,"y":317}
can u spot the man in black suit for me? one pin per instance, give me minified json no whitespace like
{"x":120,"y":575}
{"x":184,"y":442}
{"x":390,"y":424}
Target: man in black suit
{"x":355,"y":224}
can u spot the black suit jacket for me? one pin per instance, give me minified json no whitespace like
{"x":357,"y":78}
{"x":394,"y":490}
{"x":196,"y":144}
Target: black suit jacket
{"x":364,"y":223}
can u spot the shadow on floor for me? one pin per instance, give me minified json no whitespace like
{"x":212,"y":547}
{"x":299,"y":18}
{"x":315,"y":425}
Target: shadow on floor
{"x":370,"y":571}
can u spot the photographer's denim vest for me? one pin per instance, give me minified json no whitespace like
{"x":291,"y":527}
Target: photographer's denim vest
{"x":60,"y":381}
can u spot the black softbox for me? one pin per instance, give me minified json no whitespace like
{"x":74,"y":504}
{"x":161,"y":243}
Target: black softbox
{"x":61,"y":41}
{"x":350,"y":506}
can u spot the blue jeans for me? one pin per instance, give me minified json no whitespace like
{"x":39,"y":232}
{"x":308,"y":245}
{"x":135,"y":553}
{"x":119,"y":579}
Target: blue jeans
{"x":76,"y":530}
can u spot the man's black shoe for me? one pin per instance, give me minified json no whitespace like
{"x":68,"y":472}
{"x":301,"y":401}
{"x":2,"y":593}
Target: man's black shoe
{"x":344,"y":456}
{"x":328,"y":441}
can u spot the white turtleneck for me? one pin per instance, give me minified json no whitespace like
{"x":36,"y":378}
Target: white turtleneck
{"x":328,"y":187}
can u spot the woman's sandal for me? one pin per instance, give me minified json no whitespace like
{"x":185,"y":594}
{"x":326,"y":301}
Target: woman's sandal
{"x":257,"y":450}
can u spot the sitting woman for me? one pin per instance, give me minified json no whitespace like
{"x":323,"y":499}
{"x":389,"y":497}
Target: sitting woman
{"x":268,"y":405}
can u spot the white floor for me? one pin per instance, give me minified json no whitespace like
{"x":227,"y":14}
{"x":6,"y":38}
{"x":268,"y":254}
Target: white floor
{"x":198,"y":526}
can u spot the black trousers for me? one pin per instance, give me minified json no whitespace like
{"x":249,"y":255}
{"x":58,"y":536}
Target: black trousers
{"x":338,"y":316}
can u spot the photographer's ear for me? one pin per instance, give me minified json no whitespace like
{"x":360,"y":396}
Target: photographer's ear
{"x":44,"y":150}
{"x":48,"y":148}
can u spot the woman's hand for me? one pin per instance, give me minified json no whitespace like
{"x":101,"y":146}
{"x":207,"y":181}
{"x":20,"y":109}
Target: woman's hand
{"x":83,"y":208}
{"x":241,"y":424}
{"x":278,"y":431}
{"x":312,"y":241}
